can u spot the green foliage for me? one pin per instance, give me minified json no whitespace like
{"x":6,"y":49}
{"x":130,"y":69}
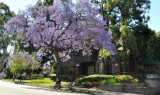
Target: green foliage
{"x":111,"y":81}
{"x":52,"y":71}
{"x":95,"y":78}
{"x":30,"y":49}
{"x":27,"y":77}
{"x":135,"y":81}
{"x":6,"y":37}
{"x":125,"y":79}
{"x":45,"y":80}
{"x":36,"y":76}
{"x":152,"y":49}
{"x":144,"y":36}
{"x":126,"y":26}
{"x":87,"y":84}
{"x":104,"y":53}
{"x":105,"y":79}
{"x":53,"y":77}
{"x":63,"y":77}
{"x":21,"y":61}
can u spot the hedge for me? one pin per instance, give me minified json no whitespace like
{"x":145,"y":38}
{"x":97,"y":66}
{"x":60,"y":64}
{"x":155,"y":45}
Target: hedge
{"x":105,"y":79}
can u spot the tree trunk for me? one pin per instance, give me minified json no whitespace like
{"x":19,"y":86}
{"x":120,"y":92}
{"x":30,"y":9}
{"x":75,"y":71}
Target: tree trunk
{"x":13,"y":78}
{"x":127,"y":64}
{"x":104,"y":66}
{"x":136,"y":61}
{"x":124,"y":65}
{"x":110,"y":66}
{"x":1,"y":62}
{"x":1,"y":65}
{"x":57,"y":64}
{"x":20,"y":77}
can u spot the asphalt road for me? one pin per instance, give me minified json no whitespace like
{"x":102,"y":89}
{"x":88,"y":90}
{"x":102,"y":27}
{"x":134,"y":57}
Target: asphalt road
{"x":8,"y":88}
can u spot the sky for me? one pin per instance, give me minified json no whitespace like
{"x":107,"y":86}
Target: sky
{"x":154,"y":12}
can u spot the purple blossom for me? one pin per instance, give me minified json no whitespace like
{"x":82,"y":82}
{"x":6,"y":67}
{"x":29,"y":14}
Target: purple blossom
{"x":62,"y":26}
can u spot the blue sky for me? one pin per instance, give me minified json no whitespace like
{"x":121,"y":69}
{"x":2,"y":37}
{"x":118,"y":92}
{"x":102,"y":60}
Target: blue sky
{"x":154,"y":12}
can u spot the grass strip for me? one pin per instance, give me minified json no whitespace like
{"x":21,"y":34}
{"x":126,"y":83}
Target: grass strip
{"x":48,"y":83}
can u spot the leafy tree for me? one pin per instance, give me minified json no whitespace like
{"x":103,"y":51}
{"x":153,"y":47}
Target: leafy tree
{"x":104,"y":53}
{"x":114,"y":12}
{"x":152,"y":49}
{"x":125,"y":15}
{"x":5,"y":36}
{"x":61,"y":28}
{"x":31,"y":48}
{"x":21,"y":61}
{"x":143,"y":35}
{"x":130,"y":48}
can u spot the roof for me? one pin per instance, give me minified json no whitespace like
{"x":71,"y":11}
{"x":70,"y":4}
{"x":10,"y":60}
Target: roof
{"x":149,"y":61}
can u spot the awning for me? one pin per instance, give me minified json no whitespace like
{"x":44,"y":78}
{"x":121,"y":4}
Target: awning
{"x":149,"y":61}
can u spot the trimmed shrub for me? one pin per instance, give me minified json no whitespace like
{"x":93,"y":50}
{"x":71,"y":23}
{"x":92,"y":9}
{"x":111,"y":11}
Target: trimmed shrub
{"x":95,"y":78}
{"x":124,"y":78}
{"x":87,"y":84}
{"x":109,"y":81}
{"x":106,"y":79}
{"x":135,"y":81}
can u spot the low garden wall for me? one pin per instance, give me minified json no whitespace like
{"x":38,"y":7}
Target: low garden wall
{"x":153,"y":82}
{"x":114,"y":88}
{"x":121,"y":83}
{"x":137,"y":88}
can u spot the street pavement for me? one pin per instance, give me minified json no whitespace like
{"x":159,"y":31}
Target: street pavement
{"x":8,"y":88}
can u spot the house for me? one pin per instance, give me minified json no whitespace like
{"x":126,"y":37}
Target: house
{"x":86,"y":65}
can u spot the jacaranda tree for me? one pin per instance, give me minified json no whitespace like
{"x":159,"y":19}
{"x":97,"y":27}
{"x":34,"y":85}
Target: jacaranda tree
{"x":61,"y":28}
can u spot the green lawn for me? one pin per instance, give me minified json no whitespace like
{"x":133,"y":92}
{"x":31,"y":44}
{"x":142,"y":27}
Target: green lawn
{"x":47,"y":82}
{"x":44,"y":81}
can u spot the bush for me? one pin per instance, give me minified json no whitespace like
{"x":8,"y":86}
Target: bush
{"x":87,"y":84}
{"x":109,"y":81}
{"x":27,"y":77}
{"x":106,"y":79}
{"x":94,"y":78}
{"x":53,"y":77}
{"x":124,"y":78}
{"x":36,"y":76}
{"x":52,"y":71}
{"x":40,"y":76}
{"x":135,"y":81}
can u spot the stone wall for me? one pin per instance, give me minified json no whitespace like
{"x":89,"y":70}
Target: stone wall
{"x":114,"y":88}
{"x":153,"y":83}
{"x":138,"y":88}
